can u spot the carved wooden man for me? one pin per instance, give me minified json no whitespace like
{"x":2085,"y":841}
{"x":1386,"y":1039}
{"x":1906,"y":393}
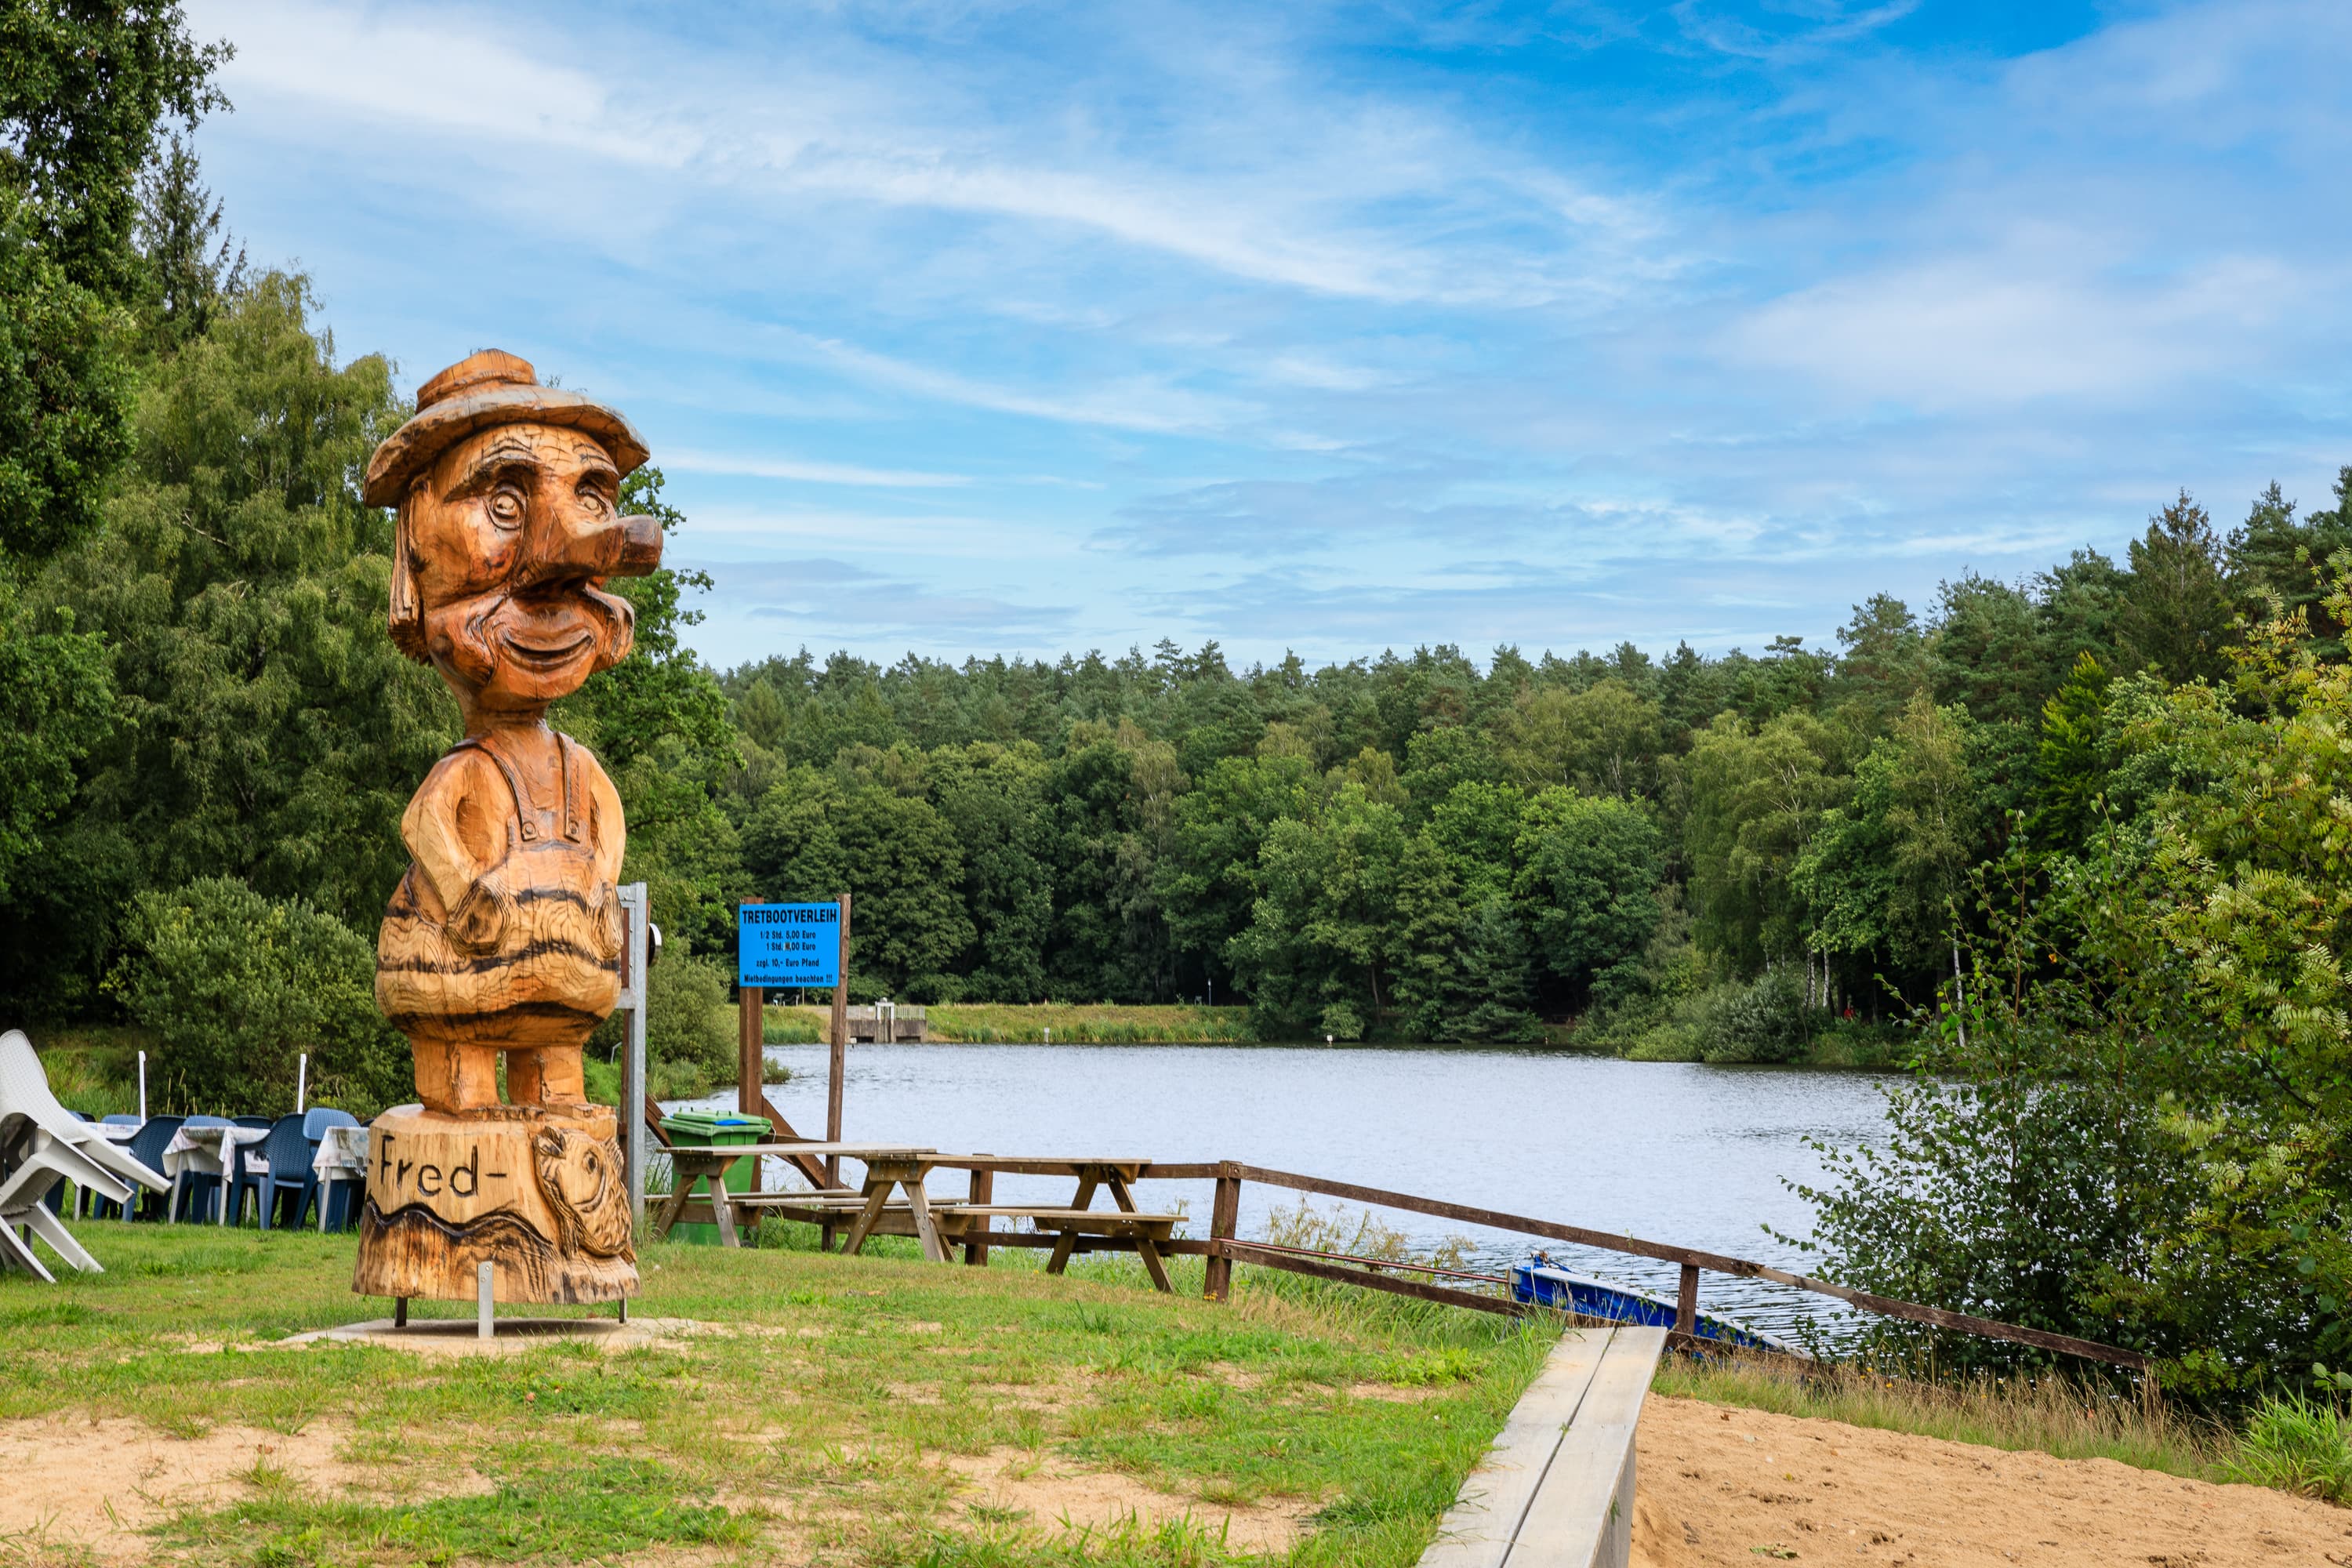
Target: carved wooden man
{"x":504,"y":939}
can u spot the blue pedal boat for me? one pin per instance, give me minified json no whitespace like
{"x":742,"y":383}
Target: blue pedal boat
{"x":1545,"y":1283}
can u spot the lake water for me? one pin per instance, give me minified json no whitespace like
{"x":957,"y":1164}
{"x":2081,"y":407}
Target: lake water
{"x":1686,"y":1154}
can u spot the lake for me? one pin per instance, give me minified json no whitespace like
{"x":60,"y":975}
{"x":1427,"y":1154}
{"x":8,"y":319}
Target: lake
{"x":1686,"y":1154}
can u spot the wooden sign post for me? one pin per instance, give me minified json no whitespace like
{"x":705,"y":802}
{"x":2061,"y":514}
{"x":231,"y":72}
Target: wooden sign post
{"x":784,"y":946}
{"x":751,"y":1060}
{"x":503,"y":943}
{"x":837,"y":1065}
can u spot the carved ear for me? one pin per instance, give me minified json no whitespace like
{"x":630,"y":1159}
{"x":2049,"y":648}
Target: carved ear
{"x":407,"y":614}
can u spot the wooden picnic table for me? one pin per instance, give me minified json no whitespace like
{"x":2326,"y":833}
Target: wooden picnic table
{"x":709,"y":1164}
{"x":937,"y":1224}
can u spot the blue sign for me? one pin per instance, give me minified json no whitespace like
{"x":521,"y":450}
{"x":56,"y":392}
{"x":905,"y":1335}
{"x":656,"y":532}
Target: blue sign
{"x":782,"y":945}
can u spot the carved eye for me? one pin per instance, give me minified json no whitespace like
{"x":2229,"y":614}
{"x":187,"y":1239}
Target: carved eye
{"x":593,"y":502}
{"x":505,"y":507}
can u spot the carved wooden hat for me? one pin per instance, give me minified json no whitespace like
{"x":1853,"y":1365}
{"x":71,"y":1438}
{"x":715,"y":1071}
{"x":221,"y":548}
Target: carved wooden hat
{"x":491,"y":387}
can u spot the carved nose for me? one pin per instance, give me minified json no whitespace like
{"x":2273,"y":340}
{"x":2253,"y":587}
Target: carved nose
{"x":592,"y":546}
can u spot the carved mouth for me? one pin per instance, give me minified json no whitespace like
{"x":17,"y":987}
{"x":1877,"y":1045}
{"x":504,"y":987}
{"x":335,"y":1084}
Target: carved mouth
{"x":550,"y":655}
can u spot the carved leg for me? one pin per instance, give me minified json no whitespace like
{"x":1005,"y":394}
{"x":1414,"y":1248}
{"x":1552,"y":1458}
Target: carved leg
{"x":455,"y":1076}
{"x":546,"y":1075}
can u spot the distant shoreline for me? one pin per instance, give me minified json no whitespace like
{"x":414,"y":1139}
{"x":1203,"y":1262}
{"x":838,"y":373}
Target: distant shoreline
{"x":1181,"y":1024}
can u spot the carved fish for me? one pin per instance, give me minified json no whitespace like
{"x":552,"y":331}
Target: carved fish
{"x":580,"y":1178}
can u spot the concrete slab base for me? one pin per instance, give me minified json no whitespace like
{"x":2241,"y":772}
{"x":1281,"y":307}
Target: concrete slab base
{"x":460,"y":1336}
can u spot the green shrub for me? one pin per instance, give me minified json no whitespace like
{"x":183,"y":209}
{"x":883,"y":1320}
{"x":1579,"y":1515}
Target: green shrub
{"x":2299,"y":1445}
{"x":1761,"y":1022}
{"x":236,"y":986}
{"x":686,"y":1019}
{"x":1671,"y":1041}
{"x":1341,"y":1022}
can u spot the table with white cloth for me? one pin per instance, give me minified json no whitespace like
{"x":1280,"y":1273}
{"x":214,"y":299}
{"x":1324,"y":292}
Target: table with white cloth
{"x":342,"y":1156}
{"x":209,"y":1151}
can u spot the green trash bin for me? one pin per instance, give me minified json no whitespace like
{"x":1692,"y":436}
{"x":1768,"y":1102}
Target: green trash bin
{"x":719,"y":1127}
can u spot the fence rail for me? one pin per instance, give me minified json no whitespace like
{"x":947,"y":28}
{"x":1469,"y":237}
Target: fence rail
{"x":1229,"y":1175}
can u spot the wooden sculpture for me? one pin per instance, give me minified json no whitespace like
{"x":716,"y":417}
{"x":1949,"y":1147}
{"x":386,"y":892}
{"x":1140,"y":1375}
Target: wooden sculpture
{"x":503,"y":941}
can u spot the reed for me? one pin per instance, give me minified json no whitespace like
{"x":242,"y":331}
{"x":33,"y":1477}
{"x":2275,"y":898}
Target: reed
{"x":1008,"y":1023}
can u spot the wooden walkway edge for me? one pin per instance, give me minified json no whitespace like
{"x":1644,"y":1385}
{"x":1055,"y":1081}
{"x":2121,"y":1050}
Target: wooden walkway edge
{"x":1556,"y":1490}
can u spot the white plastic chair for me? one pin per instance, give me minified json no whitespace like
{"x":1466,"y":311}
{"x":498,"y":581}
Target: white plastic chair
{"x":44,"y":1143}
{"x":37,"y":1163}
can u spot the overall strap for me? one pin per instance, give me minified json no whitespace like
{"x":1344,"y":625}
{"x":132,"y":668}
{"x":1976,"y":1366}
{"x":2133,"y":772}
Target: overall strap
{"x":526,"y":819}
{"x":575,"y":789}
{"x":571,"y":814}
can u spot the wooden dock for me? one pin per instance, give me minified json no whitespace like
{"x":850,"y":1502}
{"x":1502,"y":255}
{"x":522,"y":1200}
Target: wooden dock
{"x":884,"y":1026}
{"x":1556,"y":1490}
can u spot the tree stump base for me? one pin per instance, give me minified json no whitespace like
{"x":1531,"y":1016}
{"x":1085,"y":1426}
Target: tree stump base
{"x":536,"y":1190}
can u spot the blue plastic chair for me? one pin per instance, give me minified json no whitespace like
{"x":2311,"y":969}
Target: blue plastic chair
{"x":319,"y":1118}
{"x":198,"y":1189}
{"x":147,"y":1148}
{"x":287,"y":1154}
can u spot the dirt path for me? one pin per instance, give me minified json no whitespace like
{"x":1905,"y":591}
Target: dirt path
{"x":1720,"y":1486}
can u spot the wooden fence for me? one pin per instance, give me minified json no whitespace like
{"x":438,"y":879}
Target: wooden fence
{"x":1224,"y":1249}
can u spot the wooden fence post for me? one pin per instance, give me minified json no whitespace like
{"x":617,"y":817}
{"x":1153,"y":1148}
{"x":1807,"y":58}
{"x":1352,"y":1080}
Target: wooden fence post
{"x":838,"y":1064}
{"x":1686,"y":1302}
{"x":1224,"y":1216}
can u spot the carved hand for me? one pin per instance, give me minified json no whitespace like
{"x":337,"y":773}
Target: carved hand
{"x":479,"y":921}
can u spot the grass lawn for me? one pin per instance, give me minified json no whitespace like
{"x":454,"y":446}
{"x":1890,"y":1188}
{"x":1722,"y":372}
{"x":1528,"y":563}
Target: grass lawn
{"x":856,"y":1411}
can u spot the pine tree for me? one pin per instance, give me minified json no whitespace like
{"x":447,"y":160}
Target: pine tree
{"x":190,"y":267}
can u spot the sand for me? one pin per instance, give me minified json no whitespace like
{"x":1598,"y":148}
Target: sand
{"x":72,"y":1481}
{"x":1013,"y":1486}
{"x":1718,"y":1487}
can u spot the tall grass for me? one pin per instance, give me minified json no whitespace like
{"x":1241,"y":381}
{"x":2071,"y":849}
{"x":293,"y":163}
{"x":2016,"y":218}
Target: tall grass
{"x":986,"y":1023}
{"x":2298,"y":1445}
{"x":1007,"y":1023}
{"x":2052,"y":1414}
{"x":96,"y":1070}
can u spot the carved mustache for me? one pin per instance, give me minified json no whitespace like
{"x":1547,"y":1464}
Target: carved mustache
{"x":475,"y":645}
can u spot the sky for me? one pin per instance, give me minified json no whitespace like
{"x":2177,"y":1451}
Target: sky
{"x":973,"y":329}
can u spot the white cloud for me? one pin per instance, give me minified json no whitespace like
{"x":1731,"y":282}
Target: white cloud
{"x":2022,"y":325}
{"x":1352,"y":197}
{"x":762,"y":466}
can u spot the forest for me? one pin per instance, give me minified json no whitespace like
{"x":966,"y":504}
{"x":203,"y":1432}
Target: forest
{"x":2075,"y":846}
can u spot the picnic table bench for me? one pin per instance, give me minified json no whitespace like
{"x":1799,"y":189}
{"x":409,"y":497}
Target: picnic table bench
{"x":692,"y":1162}
{"x":936,"y":1222}
{"x":1556,"y":1490}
